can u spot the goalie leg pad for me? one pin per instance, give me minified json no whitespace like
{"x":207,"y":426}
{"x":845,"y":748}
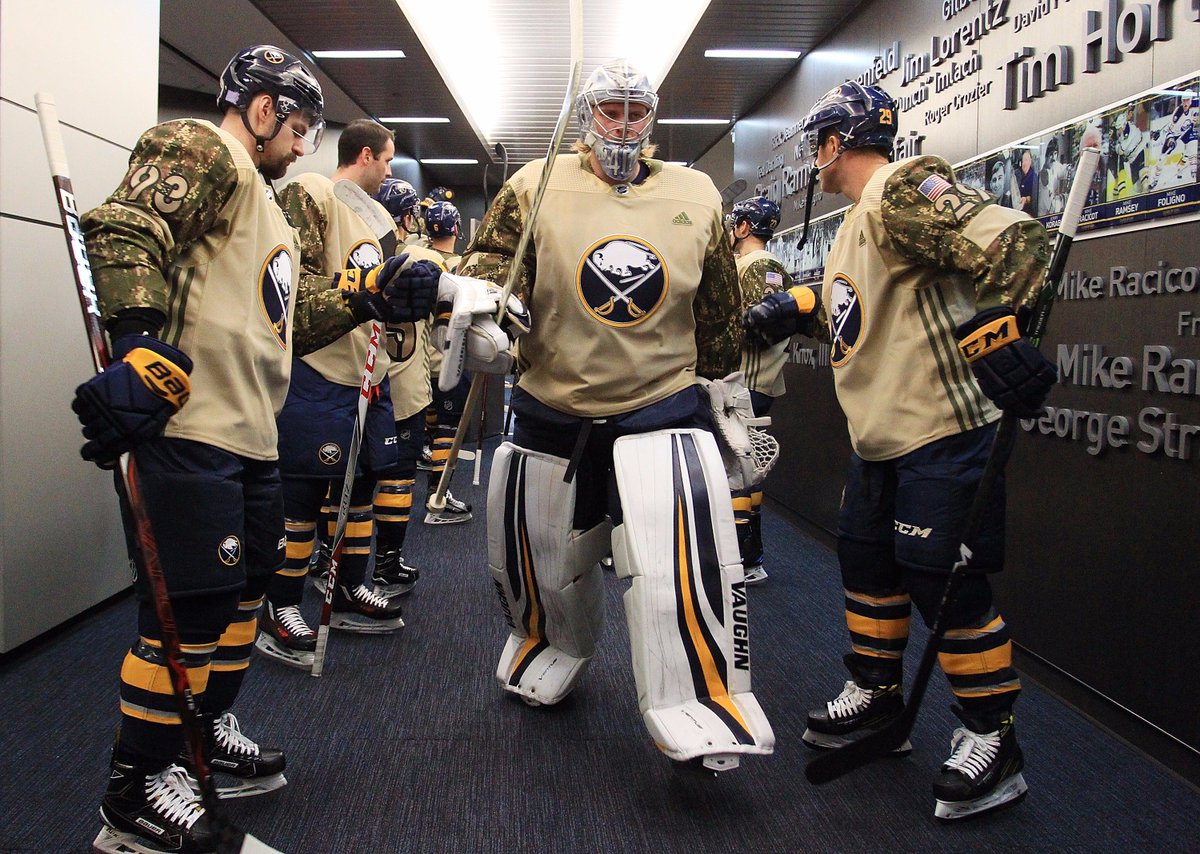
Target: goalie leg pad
{"x":547,"y":575}
{"x":686,"y":606}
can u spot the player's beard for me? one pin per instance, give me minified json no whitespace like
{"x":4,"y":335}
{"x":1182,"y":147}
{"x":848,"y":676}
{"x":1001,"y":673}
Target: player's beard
{"x":276,"y":167}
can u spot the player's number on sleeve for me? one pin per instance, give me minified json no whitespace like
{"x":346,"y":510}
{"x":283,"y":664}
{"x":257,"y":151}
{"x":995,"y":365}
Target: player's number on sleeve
{"x":167,"y":194}
{"x":960,"y":201}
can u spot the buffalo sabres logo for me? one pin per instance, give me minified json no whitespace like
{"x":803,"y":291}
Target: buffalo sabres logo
{"x":846,"y":321}
{"x":230,"y":550}
{"x":621,"y":280}
{"x":275,"y":291}
{"x":273,"y":56}
{"x":363,"y":256}
{"x":329,"y":454}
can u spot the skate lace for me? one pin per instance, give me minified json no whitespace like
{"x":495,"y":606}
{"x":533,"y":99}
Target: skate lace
{"x":172,"y":797}
{"x":292,"y":621}
{"x":454,"y":505}
{"x":852,"y":699}
{"x":368,"y":596}
{"x":230,"y":737}
{"x":972,"y":752}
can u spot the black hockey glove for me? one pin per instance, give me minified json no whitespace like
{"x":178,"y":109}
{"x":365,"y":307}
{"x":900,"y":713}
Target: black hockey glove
{"x":132,"y":400}
{"x":780,"y":316}
{"x":392,"y":292}
{"x":1009,"y":369}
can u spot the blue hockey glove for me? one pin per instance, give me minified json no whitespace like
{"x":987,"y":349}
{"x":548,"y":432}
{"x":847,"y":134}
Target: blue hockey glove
{"x":132,"y":400}
{"x":780,"y":316}
{"x":1010,"y":370}
{"x":396,"y":291}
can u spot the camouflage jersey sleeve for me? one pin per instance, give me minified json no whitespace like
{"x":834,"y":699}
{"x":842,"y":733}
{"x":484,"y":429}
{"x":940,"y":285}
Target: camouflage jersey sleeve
{"x":716,"y":309}
{"x":757,"y":281}
{"x":489,"y":255}
{"x":180,"y":178}
{"x":321,"y":313}
{"x":932,"y":219}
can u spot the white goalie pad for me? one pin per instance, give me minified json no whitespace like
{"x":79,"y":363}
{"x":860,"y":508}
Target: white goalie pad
{"x":748,"y":451}
{"x":686,"y":606}
{"x":466,"y":332}
{"x":547,"y":575}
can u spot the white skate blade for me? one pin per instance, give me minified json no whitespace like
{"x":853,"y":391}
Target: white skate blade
{"x":113,"y":841}
{"x":444,"y":518}
{"x":1009,"y":791}
{"x":354,"y":623}
{"x":248,"y":787}
{"x":825,"y":741}
{"x":271,"y":648}
{"x":388,"y":591}
{"x":756,"y":575}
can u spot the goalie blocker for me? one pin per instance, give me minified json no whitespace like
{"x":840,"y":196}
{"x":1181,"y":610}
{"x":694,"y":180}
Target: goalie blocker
{"x":686,"y":606}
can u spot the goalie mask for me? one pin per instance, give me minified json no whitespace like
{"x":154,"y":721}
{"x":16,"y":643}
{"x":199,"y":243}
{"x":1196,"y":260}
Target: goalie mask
{"x":291,"y":85}
{"x":616,"y":110}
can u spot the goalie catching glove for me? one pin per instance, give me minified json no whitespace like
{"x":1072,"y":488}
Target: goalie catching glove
{"x":748,"y":451}
{"x":396,"y":291}
{"x":466,"y":332}
{"x":132,"y":399}
{"x":780,"y":316}
{"x":1010,"y":370}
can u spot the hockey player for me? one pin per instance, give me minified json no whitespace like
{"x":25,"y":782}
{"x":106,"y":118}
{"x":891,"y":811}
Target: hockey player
{"x":1130,"y":143}
{"x":751,"y":224}
{"x":317,"y":420}
{"x":408,"y":346}
{"x":194,"y":267}
{"x":442,"y":225}
{"x":918,"y":303}
{"x":1178,"y":143}
{"x":607,"y":405}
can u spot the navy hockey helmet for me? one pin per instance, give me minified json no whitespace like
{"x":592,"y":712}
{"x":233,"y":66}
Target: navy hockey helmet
{"x":863,"y":116}
{"x":762,"y":214}
{"x":400,"y":200}
{"x":440,"y":194}
{"x":442,"y":219}
{"x":291,"y":85}
{"x":616,"y":141}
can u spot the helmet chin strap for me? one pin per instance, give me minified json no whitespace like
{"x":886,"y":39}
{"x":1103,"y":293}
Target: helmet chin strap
{"x":812,"y":186}
{"x":260,"y":141}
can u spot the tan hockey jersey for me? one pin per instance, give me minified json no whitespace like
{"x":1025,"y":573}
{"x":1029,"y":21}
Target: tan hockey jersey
{"x":334,"y":238}
{"x":232,"y":313}
{"x":408,"y":346}
{"x":916,"y":256}
{"x":760,"y":273}
{"x":623,"y":273}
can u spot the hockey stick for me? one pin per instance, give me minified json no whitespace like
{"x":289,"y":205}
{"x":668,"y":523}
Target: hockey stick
{"x":146,"y":546}
{"x":835,"y":763}
{"x":437,"y":501}
{"x":339,"y":531}
{"x":356,"y":198}
{"x":730,"y":193}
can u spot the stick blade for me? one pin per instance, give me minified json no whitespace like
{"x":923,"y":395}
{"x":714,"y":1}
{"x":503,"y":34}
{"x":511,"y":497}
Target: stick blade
{"x":730,"y":193}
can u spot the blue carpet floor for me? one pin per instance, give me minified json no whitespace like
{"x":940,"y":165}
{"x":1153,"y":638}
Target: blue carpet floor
{"x":407,"y":745}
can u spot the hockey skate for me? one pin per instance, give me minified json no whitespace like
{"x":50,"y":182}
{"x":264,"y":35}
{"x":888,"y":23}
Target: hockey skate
{"x":983,"y":771}
{"x":425,"y":461}
{"x":755,"y":574}
{"x":285,"y":636}
{"x":393,"y":577}
{"x":453,"y":513}
{"x":363,"y":611}
{"x":319,"y":568}
{"x":229,"y":751}
{"x":859,"y":709}
{"x":152,"y":811}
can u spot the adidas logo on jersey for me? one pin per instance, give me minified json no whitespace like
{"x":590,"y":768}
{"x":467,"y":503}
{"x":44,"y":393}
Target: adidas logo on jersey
{"x":682,"y":219}
{"x":862,"y":239}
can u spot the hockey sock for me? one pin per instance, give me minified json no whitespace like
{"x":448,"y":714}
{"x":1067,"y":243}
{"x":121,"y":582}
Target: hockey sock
{"x":977,"y":660}
{"x":151,"y":731}
{"x":879,"y":626}
{"x":287,"y":584}
{"x":231,"y":659}
{"x":443,"y":438}
{"x":393,"y":506}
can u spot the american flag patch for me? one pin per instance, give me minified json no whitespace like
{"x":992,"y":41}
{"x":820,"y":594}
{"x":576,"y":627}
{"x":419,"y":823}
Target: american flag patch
{"x":775,"y":279}
{"x":934,"y":186}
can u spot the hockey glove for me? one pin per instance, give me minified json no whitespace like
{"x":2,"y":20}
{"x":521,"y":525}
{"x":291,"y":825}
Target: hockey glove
{"x":132,"y":400}
{"x":465,"y":329}
{"x":780,"y":316}
{"x":1009,"y":369}
{"x":396,"y":291}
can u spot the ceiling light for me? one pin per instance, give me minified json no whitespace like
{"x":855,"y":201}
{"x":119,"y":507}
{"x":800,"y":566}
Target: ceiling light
{"x":448,"y":161}
{"x":414,"y":120}
{"x":693,"y":121}
{"x":748,"y":53}
{"x":358,"y":54}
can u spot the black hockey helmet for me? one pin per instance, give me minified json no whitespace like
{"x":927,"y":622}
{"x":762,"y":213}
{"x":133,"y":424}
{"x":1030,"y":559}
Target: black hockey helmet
{"x":863,"y":116}
{"x":291,"y":85}
{"x":442,"y":219}
{"x":762,"y":214}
